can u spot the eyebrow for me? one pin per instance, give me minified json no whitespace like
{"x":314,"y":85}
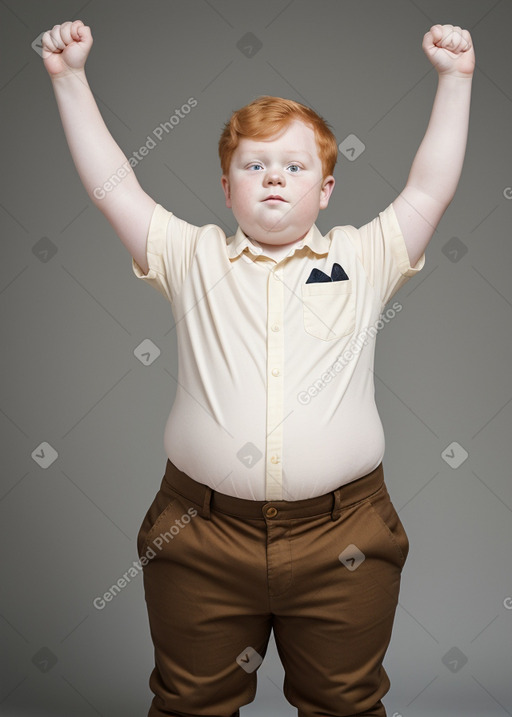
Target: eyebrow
{"x":263,"y":152}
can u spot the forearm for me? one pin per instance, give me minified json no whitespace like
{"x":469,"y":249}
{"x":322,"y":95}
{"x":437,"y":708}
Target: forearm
{"x":96,"y":155}
{"x":438,"y":163}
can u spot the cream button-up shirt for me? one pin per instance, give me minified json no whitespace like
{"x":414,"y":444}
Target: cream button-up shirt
{"x":275,"y":391}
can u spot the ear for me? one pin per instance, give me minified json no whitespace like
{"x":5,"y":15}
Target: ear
{"x":225,"y":186}
{"x":326,"y":191}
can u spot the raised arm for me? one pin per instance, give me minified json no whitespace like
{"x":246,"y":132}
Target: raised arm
{"x":437,"y":167}
{"x":105,"y":172}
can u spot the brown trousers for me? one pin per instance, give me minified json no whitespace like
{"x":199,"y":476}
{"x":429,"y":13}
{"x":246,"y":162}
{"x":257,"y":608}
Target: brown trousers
{"x":221,"y":572}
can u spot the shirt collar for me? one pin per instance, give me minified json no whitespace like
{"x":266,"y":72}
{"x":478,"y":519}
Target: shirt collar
{"x":314,"y":239}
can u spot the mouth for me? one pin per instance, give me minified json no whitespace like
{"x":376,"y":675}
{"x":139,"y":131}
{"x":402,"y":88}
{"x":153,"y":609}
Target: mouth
{"x":274,"y":198}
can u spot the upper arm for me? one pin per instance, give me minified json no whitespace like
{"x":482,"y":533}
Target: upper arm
{"x":418,"y":216}
{"x":130,"y":216}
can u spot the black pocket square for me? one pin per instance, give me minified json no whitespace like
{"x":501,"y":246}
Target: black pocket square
{"x":337,"y":274}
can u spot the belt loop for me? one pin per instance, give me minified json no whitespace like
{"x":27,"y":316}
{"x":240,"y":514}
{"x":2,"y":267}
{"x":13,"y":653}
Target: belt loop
{"x":205,"y":511}
{"x":336,"y":508}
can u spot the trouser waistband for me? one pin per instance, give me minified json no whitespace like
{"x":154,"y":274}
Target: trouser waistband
{"x":206,"y":499}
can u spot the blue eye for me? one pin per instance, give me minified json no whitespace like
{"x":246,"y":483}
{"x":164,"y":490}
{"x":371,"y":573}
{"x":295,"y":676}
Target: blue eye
{"x":254,"y":165}
{"x":294,"y":165}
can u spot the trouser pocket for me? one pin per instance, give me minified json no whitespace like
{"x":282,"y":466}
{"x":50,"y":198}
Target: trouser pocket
{"x":162,"y":503}
{"x":381,"y":504}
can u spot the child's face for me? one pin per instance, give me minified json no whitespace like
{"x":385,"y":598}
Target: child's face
{"x":287,"y":165}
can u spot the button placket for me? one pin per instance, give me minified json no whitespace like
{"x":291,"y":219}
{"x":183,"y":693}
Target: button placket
{"x":275,"y":365}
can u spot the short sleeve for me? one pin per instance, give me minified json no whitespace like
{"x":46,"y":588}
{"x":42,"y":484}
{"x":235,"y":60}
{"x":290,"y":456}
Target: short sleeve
{"x":383,"y":253}
{"x":170,"y":247}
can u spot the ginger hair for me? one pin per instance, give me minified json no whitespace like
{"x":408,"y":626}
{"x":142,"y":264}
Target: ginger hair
{"x":265,"y":117}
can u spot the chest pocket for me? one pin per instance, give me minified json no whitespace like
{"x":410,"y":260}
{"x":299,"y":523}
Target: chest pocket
{"x":329,"y":309}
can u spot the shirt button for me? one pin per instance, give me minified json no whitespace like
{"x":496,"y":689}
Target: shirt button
{"x":271,"y":512}
{"x":276,"y":327}
{"x":275,"y":372}
{"x":274,"y":459}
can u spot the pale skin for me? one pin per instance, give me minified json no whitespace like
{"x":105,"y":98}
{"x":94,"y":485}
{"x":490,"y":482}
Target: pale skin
{"x":437,"y":167}
{"x":287,"y":165}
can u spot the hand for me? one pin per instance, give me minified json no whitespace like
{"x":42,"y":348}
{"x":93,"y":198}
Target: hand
{"x":65,"y":48}
{"x":450,"y":50}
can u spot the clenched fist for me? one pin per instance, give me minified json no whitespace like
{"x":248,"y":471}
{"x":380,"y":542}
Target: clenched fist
{"x":450,"y":50}
{"x":65,"y":48}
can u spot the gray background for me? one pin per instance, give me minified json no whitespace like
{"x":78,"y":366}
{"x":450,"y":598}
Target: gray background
{"x":72,"y":319}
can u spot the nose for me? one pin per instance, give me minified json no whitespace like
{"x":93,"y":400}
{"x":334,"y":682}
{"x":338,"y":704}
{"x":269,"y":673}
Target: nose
{"x":274,"y":176}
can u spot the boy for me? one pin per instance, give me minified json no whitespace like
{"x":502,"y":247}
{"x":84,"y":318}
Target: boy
{"x":273,"y":512}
